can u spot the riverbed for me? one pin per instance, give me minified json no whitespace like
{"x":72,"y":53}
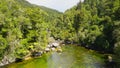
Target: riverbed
{"x":72,"y":56}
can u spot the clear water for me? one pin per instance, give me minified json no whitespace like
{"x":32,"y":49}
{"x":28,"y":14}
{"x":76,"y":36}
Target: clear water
{"x":71,"y":57}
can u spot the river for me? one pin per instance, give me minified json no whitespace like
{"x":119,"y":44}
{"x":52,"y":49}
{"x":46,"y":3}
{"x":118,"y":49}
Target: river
{"x":71,"y":57}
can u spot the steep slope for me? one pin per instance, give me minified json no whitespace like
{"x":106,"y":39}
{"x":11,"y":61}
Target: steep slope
{"x":90,"y":24}
{"x":94,"y":24}
{"x":23,"y":28}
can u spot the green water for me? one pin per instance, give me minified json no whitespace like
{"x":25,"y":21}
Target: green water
{"x":71,"y":57}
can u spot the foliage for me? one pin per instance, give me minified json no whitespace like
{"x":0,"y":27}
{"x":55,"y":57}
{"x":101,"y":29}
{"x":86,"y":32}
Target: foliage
{"x":25,"y":27}
{"x":90,"y":24}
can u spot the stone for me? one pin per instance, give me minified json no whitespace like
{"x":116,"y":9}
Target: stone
{"x":47,"y":49}
{"x":59,"y":50}
{"x":7,"y":60}
{"x":109,"y":58}
{"x":55,"y":44}
{"x":49,"y":46}
{"x":53,"y":49}
{"x":1,"y":64}
{"x":36,"y":54}
{"x":63,"y":44}
{"x":27,"y":58}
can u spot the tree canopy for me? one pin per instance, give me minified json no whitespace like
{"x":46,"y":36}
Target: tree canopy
{"x":93,"y":23}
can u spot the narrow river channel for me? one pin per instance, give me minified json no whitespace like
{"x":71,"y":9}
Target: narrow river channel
{"x":71,"y":57}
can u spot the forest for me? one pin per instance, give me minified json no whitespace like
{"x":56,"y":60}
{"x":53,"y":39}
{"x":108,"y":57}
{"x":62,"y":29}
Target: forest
{"x":25,"y":27}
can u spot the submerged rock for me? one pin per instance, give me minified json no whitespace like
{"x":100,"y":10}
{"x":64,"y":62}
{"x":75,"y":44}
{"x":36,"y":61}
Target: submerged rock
{"x":59,"y":50}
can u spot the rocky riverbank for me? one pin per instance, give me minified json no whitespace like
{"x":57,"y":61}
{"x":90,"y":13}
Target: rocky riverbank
{"x":7,"y":60}
{"x":53,"y":46}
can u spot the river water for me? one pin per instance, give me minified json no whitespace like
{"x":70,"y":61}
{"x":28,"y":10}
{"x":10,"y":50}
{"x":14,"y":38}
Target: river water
{"x":71,"y":57}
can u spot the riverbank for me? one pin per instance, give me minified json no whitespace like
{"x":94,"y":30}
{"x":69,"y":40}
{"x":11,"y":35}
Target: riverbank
{"x":53,"y":46}
{"x":72,"y":56}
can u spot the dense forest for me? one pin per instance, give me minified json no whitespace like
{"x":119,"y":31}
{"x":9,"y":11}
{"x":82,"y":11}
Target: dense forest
{"x":23,"y":26}
{"x":94,"y":24}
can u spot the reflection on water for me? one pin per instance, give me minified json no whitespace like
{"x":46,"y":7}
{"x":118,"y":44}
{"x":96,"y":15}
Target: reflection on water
{"x":71,"y":57}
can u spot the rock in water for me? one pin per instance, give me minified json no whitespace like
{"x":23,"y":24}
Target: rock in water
{"x":59,"y":50}
{"x":53,"y":49}
{"x":109,"y":58}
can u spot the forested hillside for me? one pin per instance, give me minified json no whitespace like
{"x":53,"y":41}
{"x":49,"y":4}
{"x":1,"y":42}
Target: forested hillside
{"x":91,"y":24}
{"x":23,"y":26}
{"x":94,"y":24}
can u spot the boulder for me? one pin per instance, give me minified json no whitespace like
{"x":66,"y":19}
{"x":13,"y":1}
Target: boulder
{"x":55,"y":44}
{"x":36,"y":54}
{"x":49,"y":46}
{"x":47,"y":49}
{"x":6,"y":60}
{"x":59,"y":50}
{"x":27,"y":58}
{"x":63,"y":44}
{"x":53,"y":49}
{"x":1,"y":64}
{"x":109,"y":58}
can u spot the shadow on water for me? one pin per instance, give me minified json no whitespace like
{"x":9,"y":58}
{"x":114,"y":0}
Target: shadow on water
{"x":71,"y":57}
{"x":112,"y":64}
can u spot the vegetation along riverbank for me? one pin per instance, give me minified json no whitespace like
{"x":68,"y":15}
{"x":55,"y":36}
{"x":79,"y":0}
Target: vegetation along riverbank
{"x":28,"y":30}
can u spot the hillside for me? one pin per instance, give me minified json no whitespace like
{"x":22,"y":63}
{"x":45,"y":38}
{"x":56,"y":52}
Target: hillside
{"x":93,"y":24}
{"x":23,"y":27}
